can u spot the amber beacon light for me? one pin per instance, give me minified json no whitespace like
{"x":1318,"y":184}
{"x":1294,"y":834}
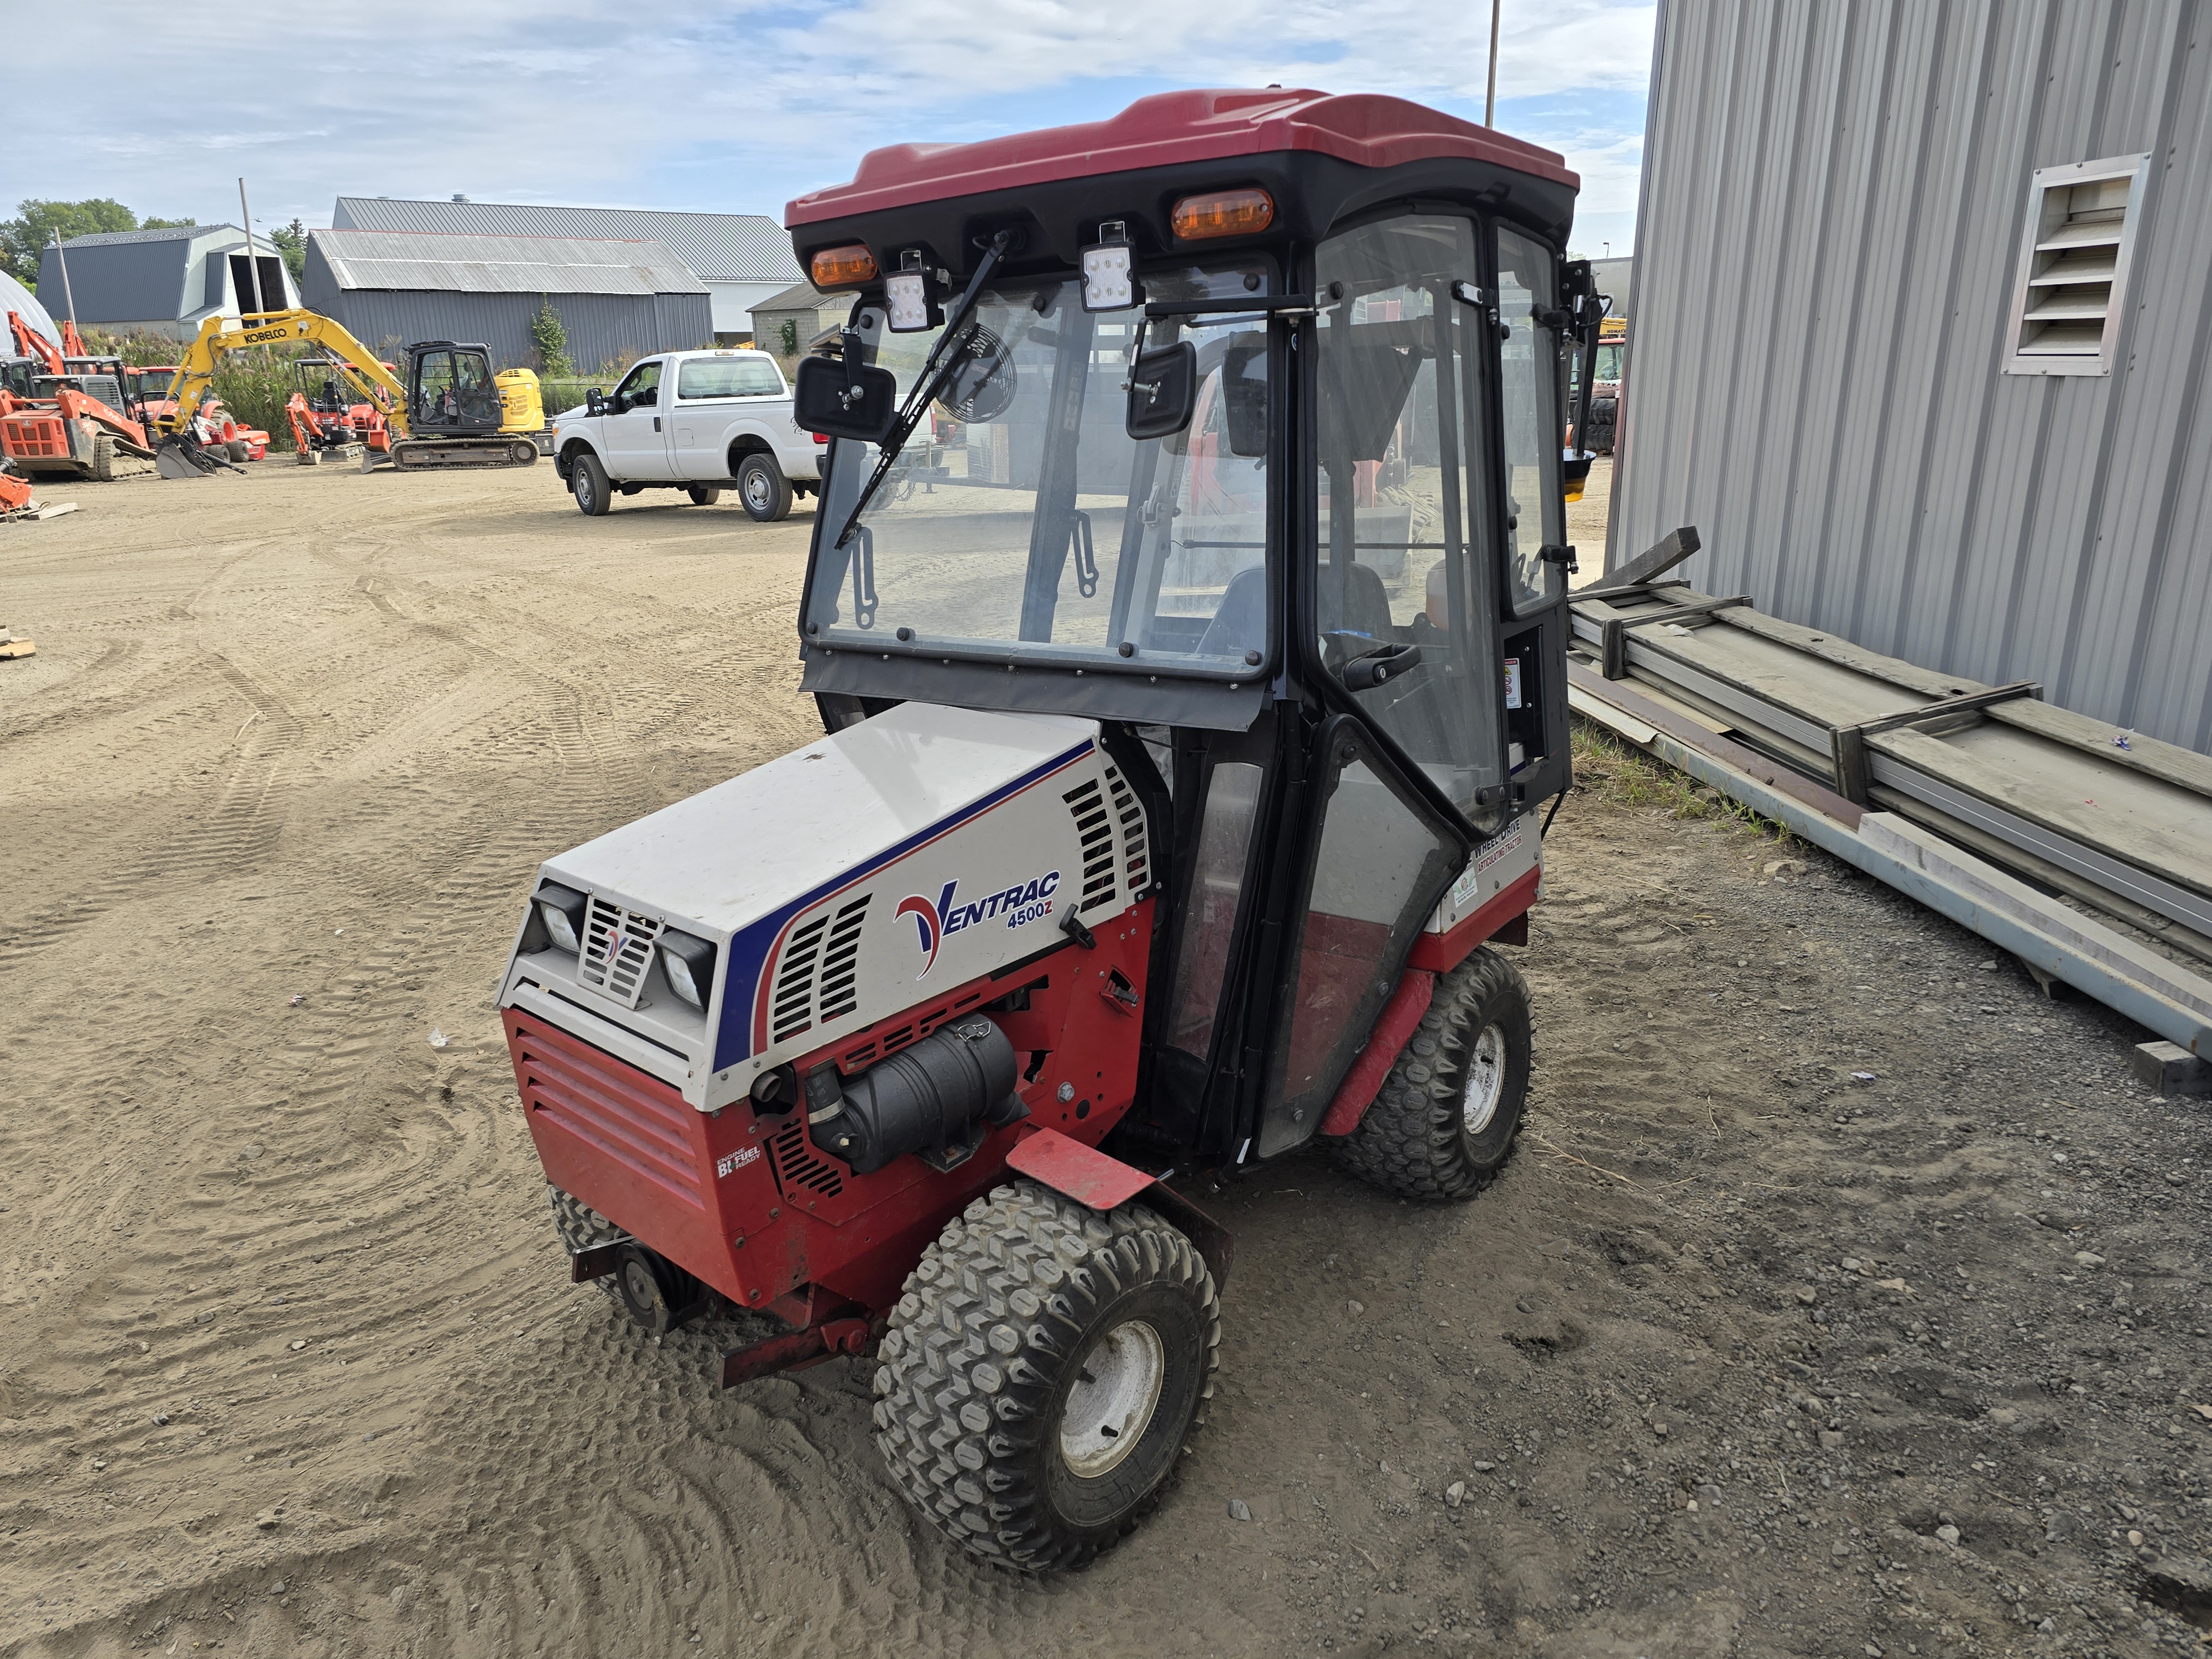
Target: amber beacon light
{"x":843,"y":267}
{"x":1221,"y":213}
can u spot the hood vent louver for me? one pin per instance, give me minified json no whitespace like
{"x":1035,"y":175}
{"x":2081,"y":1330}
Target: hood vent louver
{"x":817,"y":979}
{"x":1093,"y":823}
{"x":798,"y":1169}
{"x":1131,"y":818}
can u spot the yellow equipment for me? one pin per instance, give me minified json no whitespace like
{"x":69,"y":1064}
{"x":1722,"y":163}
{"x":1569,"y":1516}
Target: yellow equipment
{"x":447,"y":413}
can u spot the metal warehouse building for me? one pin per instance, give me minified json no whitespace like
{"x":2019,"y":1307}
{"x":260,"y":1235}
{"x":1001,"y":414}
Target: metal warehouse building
{"x":742,"y":258}
{"x":616,"y":299}
{"x":163,"y":281}
{"x":1918,"y":339}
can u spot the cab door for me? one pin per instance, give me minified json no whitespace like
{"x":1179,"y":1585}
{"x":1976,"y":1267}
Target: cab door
{"x":633,"y":433}
{"x":1397,"y":616}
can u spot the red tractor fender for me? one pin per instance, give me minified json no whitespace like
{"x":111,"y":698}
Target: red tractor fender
{"x":1103,"y":1182}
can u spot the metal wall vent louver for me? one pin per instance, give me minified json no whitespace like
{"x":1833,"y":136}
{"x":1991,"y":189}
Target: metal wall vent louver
{"x":798,"y":1169}
{"x":618,"y":951}
{"x":2074,"y":264}
{"x":816,"y":980}
{"x":1095,"y":826}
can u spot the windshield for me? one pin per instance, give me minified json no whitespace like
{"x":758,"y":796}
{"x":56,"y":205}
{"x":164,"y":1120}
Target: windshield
{"x":1020,"y":513}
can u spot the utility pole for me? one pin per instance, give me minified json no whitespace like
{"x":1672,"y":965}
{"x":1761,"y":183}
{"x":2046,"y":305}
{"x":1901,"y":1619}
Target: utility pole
{"x":68,"y":301}
{"x":1490,"y":102}
{"x":253,"y":263}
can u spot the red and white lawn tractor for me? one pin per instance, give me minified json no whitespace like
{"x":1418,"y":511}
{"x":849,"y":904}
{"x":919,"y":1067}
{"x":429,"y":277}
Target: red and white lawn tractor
{"x":1189,"y":702}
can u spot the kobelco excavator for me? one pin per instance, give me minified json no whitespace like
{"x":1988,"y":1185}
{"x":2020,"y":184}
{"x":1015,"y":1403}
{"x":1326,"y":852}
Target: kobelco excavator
{"x":446,"y":413}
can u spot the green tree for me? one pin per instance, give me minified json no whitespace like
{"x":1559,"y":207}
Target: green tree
{"x":38,"y":222}
{"x":552,"y":341}
{"x":290,"y":242}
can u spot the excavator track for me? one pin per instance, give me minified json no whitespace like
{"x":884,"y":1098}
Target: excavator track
{"x":427,"y":454}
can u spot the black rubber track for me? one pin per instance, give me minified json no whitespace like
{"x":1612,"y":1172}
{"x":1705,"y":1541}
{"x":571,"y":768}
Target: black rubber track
{"x":974,"y":1366}
{"x":1410,"y":1143}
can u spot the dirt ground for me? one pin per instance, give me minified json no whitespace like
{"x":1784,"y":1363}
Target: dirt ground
{"x":1843,"y":1296}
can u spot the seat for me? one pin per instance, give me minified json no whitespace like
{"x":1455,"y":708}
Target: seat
{"x":1242,"y":616}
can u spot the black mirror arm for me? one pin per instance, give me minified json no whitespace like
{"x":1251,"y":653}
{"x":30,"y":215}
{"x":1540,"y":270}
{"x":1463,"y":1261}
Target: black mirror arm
{"x":926,"y":384}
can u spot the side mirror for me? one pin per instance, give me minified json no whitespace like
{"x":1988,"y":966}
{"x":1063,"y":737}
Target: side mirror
{"x":1163,"y":390}
{"x":856,"y":400}
{"x":595,"y":402}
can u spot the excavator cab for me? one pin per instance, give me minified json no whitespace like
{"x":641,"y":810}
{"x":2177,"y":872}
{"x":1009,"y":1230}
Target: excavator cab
{"x":449,"y":391}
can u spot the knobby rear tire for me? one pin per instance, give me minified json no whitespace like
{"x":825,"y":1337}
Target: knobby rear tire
{"x":1416,"y":1141}
{"x":999,"y":1319}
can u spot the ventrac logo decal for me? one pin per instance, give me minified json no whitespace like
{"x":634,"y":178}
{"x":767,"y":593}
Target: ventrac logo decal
{"x":736,"y":1160}
{"x":1016,"y":906}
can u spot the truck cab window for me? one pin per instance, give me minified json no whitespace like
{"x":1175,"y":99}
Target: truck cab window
{"x":639,"y":388}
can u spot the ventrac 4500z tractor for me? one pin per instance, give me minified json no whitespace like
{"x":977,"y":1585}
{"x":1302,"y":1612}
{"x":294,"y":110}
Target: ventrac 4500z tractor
{"x":1190,"y":689}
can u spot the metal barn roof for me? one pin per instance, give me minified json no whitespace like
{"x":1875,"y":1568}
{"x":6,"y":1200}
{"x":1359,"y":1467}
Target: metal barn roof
{"x":500,"y":264}
{"x":718,"y":247}
{"x":163,"y":233}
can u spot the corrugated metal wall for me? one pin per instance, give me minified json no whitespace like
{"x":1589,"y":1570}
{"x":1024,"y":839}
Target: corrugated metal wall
{"x":1834,"y":199}
{"x":602,"y":328}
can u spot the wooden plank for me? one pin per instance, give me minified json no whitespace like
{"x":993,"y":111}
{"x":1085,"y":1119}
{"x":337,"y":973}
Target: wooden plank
{"x":1656,"y":560}
{"x":2184,"y":767}
{"x":1842,"y":653}
{"x":18,"y":648}
{"x":2174,"y":843}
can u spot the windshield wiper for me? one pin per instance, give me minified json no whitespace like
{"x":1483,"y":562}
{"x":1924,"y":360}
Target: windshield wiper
{"x":927,"y":384}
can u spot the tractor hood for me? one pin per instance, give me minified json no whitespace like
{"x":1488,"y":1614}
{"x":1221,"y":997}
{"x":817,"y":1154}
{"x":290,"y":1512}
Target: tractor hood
{"x":856,"y":879}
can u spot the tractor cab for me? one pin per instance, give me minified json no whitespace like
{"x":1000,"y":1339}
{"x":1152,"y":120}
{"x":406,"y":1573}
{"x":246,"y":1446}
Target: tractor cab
{"x":450,"y":390}
{"x":1187,"y":613}
{"x":1253,"y":457}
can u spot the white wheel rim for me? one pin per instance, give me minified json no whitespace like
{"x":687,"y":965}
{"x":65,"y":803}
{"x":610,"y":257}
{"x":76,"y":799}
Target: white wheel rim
{"x":1486,"y":1080}
{"x":1108,"y":1413}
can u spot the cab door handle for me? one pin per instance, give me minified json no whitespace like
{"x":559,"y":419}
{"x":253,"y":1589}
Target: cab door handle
{"x":656,"y":423}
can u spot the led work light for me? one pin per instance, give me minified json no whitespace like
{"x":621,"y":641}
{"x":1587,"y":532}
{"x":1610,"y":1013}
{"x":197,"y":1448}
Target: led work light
{"x":1108,"y":282}
{"x":912,"y":296}
{"x":562,"y":910}
{"x":689,"y":963}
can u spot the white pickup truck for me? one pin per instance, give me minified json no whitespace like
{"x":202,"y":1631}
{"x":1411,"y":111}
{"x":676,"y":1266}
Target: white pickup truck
{"x":699,"y":422}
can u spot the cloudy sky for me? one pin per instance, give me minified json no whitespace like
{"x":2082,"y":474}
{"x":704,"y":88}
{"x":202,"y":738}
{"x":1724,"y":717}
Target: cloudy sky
{"x":736,"y":106}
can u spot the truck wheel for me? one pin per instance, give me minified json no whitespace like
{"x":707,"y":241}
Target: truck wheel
{"x":1041,"y":1373}
{"x":1443,"y":1123}
{"x":703,"y":496}
{"x":589,"y":481}
{"x":763,"y":489}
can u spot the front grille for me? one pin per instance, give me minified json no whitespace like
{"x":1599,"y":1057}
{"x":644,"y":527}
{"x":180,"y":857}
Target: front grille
{"x":625,"y":1117}
{"x":798,"y":1169}
{"x":618,"y":951}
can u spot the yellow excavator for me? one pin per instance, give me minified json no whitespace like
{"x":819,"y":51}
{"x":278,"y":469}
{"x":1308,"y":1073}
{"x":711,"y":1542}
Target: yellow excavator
{"x":449,"y":410}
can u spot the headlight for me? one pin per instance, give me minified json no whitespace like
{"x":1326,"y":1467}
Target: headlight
{"x":689,"y":964}
{"x":562,"y":910}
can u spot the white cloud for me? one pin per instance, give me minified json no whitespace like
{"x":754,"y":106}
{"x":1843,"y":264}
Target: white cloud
{"x":735,"y":107}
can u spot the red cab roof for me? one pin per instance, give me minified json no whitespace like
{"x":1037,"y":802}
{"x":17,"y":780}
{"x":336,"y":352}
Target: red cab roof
{"x":1202,"y":125}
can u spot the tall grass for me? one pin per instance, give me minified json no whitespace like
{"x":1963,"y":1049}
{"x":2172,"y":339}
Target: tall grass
{"x":254,"y":385}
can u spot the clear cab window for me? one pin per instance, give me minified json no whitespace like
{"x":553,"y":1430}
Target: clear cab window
{"x":1020,"y":513}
